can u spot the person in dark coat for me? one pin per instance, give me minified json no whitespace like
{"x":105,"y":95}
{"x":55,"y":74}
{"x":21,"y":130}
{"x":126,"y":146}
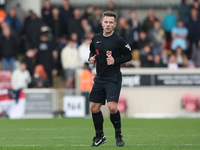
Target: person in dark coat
{"x":47,"y":12}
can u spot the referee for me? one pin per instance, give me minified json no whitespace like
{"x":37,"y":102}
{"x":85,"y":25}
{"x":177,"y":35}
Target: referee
{"x":109,"y":50}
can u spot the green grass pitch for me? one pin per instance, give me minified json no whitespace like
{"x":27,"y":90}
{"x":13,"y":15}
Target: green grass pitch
{"x":77,"y":134}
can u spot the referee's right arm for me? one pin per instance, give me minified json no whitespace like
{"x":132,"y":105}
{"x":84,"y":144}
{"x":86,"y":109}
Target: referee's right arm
{"x":92,"y":53}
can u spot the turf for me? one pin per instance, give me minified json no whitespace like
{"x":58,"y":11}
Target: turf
{"x":77,"y":134}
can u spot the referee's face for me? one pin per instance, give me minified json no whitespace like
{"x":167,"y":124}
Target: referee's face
{"x":108,"y":24}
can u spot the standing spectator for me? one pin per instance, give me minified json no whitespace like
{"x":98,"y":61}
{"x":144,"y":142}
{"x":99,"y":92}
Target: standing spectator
{"x":20,"y":79}
{"x":32,"y":29}
{"x":146,"y":57}
{"x":75,"y":25}
{"x":20,"y":13}
{"x":89,"y":14}
{"x":149,"y":20}
{"x":96,"y":23}
{"x":47,"y":12}
{"x":70,"y":61}
{"x":112,"y":7}
{"x":193,"y":27}
{"x":66,"y":14}
{"x":13,"y":21}
{"x":179,"y":35}
{"x":134,"y":29}
{"x":169,"y":22}
{"x":2,"y":14}
{"x":196,"y":5}
{"x":44,"y":56}
{"x":184,"y":11}
{"x":56,"y":25}
{"x":87,"y":28}
{"x":8,"y":44}
{"x":196,"y":55}
{"x":83,"y":51}
{"x":157,"y":38}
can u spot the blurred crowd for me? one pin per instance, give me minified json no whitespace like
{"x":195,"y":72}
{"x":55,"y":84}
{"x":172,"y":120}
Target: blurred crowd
{"x":58,"y":42}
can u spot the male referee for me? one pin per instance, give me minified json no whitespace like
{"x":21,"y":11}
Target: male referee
{"x":109,"y":50}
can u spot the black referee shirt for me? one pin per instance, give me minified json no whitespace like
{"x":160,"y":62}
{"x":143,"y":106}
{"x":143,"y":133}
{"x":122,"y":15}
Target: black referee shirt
{"x":113,"y":45}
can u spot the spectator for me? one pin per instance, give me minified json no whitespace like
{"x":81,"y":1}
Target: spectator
{"x":56,"y":25}
{"x":29,"y":60}
{"x":169,"y":22}
{"x":75,"y":25}
{"x":164,"y":57}
{"x":172,"y":62}
{"x":196,"y":5}
{"x":184,"y":11}
{"x":66,"y":14}
{"x":40,"y":79}
{"x":157,"y":38}
{"x":196,"y":55}
{"x":44,"y":56}
{"x":122,"y":28}
{"x":70,"y":62}
{"x":134,"y":29}
{"x":146,"y":57}
{"x":157,"y":61}
{"x":143,"y":40}
{"x":20,"y":13}
{"x":96,"y":23}
{"x":179,"y":35}
{"x":87,"y":28}
{"x":32,"y":29}
{"x":8,"y":44}
{"x":194,"y":31}
{"x":149,"y":20}
{"x":2,"y":14}
{"x":47,"y":12}
{"x":181,"y":58}
{"x":83,"y":51}
{"x":20,"y":79}
{"x":89,"y":14}
{"x":74,"y":38}
{"x":13,"y":21}
{"x":112,"y":7}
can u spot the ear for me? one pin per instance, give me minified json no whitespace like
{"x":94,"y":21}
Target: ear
{"x":115,"y":24}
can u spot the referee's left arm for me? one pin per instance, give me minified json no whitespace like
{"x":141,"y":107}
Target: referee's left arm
{"x":125,"y":51}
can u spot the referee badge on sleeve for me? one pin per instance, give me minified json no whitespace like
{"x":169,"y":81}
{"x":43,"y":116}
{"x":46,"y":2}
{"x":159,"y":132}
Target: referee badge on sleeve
{"x":108,"y":53}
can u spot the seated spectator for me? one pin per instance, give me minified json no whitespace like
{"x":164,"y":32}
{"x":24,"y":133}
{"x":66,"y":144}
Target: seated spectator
{"x":146,"y":57}
{"x":8,"y":44}
{"x":179,"y":35}
{"x":169,"y":22}
{"x":143,"y":40}
{"x":164,"y":57}
{"x":196,"y":55}
{"x":96,"y":22}
{"x":157,"y":37}
{"x":70,"y":62}
{"x":157,"y":61}
{"x":172,"y":62}
{"x":196,"y":5}
{"x":194,"y":31}
{"x":20,"y":79}
{"x":182,"y":59}
{"x":149,"y":20}
{"x":87,"y":28}
{"x":89,"y":13}
{"x":122,"y":28}
{"x":40,"y":79}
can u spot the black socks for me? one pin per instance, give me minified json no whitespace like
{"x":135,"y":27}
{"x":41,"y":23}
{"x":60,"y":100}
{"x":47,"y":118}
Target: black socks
{"x":98,"y":123}
{"x":116,"y":121}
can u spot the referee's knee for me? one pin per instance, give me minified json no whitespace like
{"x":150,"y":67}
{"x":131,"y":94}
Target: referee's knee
{"x":94,"y":108}
{"x":113,"y":109}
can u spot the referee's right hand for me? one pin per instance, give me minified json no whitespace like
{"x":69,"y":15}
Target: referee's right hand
{"x":92,"y":59}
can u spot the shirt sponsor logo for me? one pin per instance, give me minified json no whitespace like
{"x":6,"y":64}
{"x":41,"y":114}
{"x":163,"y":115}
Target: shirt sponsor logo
{"x":109,"y":53}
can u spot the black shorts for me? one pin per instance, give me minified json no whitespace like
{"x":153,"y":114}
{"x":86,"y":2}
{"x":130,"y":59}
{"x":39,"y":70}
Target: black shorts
{"x":106,"y":89}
